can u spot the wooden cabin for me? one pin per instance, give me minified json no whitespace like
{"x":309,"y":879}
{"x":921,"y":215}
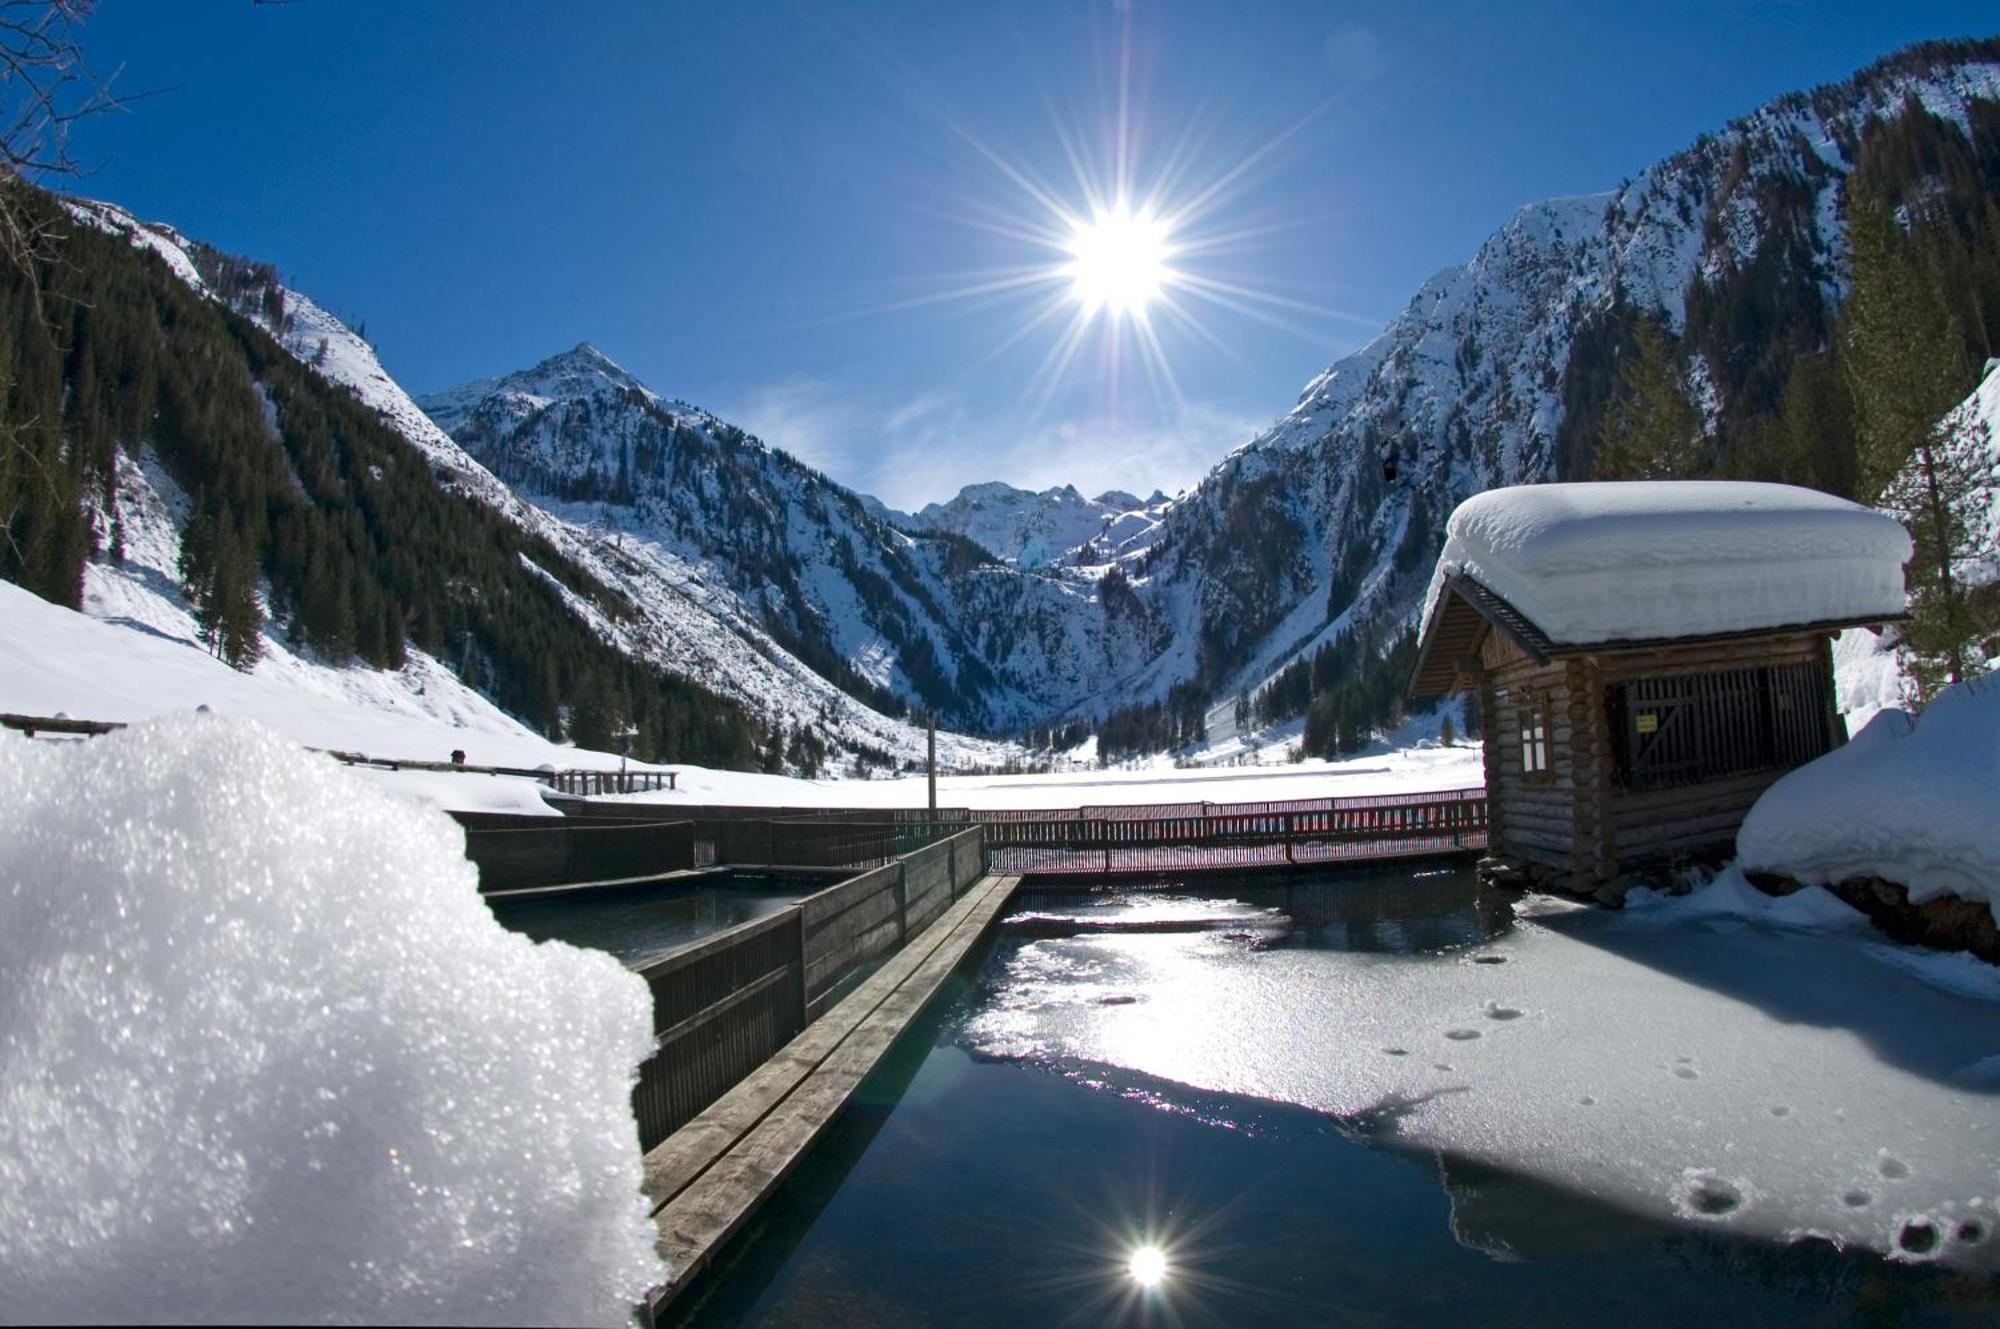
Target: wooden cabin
{"x":1648,"y":658}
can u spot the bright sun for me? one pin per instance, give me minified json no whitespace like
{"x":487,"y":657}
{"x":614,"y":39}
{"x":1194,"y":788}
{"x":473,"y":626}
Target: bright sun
{"x":1148,"y":1266}
{"x":1118,"y":261}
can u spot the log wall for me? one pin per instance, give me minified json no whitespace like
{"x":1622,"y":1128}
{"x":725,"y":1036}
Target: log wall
{"x":1533,"y":814}
{"x":1576,"y":818}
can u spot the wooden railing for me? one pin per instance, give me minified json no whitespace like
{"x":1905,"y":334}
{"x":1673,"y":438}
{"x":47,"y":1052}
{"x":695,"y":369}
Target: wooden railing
{"x":1194,"y":837}
{"x":723,"y":1005}
{"x":585,"y":784}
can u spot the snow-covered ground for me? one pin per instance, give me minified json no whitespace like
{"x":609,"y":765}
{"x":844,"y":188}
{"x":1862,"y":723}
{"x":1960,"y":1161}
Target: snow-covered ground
{"x":267,"y":1057}
{"x":142,"y":661}
{"x":1412,"y":770}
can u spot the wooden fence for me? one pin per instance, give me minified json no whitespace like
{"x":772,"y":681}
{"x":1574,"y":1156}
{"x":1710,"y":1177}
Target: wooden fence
{"x":724,"y":1005}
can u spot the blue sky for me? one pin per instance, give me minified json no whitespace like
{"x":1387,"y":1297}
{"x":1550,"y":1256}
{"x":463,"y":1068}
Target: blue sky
{"x":765,"y":208}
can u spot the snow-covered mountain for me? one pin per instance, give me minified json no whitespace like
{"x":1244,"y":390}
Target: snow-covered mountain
{"x":896,"y":617}
{"x":678,"y":622}
{"x":1326,"y":524}
{"x":1035,"y":530}
{"x":1002,"y":608}
{"x":1494,"y":373}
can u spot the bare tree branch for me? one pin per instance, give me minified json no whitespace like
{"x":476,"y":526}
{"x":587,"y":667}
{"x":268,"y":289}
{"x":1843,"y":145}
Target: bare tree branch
{"x":45,"y":88}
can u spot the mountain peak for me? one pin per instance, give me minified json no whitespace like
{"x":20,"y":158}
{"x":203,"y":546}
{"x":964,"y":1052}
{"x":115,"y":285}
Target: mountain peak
{"x":573,"y":370}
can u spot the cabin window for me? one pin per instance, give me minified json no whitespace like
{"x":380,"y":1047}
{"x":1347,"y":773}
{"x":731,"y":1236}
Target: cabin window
{"x":1534,"y":715}
{"x":1689,"y":728}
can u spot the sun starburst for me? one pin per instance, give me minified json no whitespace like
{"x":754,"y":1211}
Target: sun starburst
{"x":1118,"y":261}
{"x":1131,"y":254}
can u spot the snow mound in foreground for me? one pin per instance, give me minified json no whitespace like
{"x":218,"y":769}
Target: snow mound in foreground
{"x":1628,"y":561}
{"x":1911,"y":800}
{"x":266,"y":1055}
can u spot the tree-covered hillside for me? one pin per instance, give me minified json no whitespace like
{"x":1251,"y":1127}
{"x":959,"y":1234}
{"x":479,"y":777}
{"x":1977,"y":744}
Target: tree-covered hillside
{"x":306,"y":506}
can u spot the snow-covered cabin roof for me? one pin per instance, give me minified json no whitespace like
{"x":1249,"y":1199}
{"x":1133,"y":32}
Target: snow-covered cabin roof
{"x":1563,"y":567}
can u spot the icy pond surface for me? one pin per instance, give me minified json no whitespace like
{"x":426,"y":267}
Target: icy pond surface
{"x":1395,"y":1099}
{"x":642,"y":923}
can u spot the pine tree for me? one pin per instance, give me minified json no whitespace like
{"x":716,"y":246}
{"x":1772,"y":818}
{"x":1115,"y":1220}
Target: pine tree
{"x":1902,"y":348}
{"x":1941,"y":494}
{"x":239,"y":618}
{"x":773,"y":762}
{"x":1652,"y":431}
{"x":1905,"y":354}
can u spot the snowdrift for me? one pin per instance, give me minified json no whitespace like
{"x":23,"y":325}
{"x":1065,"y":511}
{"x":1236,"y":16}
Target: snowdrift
{"x":1913,"y":800}
{"x":266,"y":1056}
{"x":1635,"y":561}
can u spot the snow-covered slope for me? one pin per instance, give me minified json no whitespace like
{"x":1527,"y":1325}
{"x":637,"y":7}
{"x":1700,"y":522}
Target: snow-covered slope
{"x":1977,"y":419}
{"x":679,"y":623}
{"x":1034,"y":530}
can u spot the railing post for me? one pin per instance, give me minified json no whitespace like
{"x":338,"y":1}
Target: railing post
{"x":902,"y":889}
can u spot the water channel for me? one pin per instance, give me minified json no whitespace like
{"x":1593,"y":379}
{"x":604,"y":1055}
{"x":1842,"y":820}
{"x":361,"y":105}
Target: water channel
{"x":641,"y":923}
{"x":1034,"y":1151}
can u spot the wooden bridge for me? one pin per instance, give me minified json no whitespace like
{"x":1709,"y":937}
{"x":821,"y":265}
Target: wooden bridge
{"x":1207,"y":837}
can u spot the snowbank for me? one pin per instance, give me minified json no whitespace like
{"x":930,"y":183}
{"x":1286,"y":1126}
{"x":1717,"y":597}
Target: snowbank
{"x":1632,"y":561}
{"x":265,"y":1055}
{"x":1912,"y":799}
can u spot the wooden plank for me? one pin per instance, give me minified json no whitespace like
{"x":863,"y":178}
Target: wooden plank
{"x":706,"y":1212}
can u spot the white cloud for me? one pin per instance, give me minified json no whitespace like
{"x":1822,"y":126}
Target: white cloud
{"x":926,"y":448}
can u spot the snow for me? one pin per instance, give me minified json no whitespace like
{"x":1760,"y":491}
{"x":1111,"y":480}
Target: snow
{"x":265,"y":1055}
{"x":1420,"y":769}
{"x":146,"y":663}
{"x":1980,"y":413}
{"x":1912,"y":800}
{"x":1609,"y":561}
{"x":1868,"y":676}
{"x":1726,"y":1061}
{"x":56,"y":660}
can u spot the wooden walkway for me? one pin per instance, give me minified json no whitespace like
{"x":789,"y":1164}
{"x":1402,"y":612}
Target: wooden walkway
{"x":706,"y":1179}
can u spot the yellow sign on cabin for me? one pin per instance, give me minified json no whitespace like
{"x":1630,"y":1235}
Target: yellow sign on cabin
{"x":1647,"y":723}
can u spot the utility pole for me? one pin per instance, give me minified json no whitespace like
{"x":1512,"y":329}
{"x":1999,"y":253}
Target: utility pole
{"x":930,"y":756}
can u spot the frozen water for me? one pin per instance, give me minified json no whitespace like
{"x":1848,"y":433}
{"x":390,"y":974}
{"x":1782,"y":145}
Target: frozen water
{"x":266,"y":1056}
{"x":1725,"y":1060}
